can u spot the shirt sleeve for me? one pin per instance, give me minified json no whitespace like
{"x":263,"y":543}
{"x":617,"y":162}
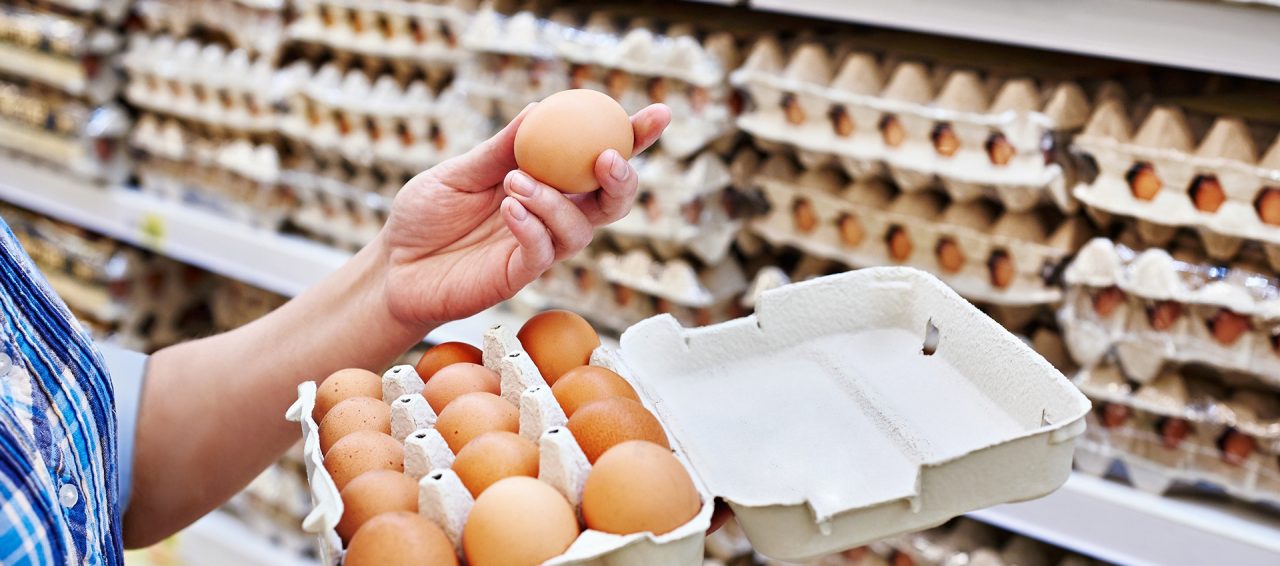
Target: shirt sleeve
{"x":128,"y":371}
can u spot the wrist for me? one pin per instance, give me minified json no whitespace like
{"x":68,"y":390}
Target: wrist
{"x":373,"y":263}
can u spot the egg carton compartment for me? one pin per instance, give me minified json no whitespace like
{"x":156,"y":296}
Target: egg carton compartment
{"x":1185,"y":168}
{"x":1149,"y":309}
{"x":257,"y":26}
{"x":987,"y":255}
{"x":1159,"y":452}
{"x":977,"y":136}
{"x":524,"y":58}
{"x":422,"y":32}
{"x":58,"y":130}
{"x":340,"y":203}
{"x":63,"y":51}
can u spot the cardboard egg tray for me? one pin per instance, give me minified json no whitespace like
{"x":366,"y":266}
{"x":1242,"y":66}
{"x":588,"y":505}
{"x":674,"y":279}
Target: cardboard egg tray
{"x":1156,"y":463}
{"x":1195,"y":293}
{"x":215,"y":180}
{"x":66,"y":52}
{"x":348,"y":209}
{"x":202,"y":82}
{"x":636,"y":67}
{"x":894,"y":359}
{"x":254,"y":25}
{"x":1174,"y":161}
{"x":856,"y":223}
{"x":59,"y":130}
{"x":977,"y":137}
{"x":422,"y":32}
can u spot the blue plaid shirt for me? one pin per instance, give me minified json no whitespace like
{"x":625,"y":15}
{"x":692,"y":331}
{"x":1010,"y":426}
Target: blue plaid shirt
{"x":60,"y":497}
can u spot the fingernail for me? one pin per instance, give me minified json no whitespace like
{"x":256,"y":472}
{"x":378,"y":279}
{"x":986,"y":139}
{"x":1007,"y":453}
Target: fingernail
{"x":519,"y":212}
{"x":523,"y":185}
{"x":619,"y":169}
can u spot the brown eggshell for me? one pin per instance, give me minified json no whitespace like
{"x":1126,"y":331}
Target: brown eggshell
{"x":447,"y":354}
{"x":400,"y":538}
{"x":637,"y":487}
{"x":374,"y":493}
{"x":360,"y":452}
{"x":600,"y":425}
{"x":459,"y":379}
{"x":473,"y":414}
{"x":345,"y":384}
{"x":561,"y":137}
{"x":558,"y":341}
{"x":585,"y":384}
{"x":518,"y":521}
{"x":493,"y":456}
{"x":356,"y":413}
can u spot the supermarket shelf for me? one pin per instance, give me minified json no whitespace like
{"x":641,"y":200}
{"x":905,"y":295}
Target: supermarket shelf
{"x":218,"y":539}
{"x":1120,"y":524}
{"x":1221,"y":37}
{"x":277,"y":262}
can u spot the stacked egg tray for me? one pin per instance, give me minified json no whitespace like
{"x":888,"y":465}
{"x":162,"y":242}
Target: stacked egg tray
{"x":53,"y":127}
{"x":67,"y":51}
{"x":1149,"y":310}
{"x":1200,"y":172}
{"x":912,"y":469}
{"x":979,"y":137}
{"x":342,"y":204}
{"x":521,"y":58}
{"x":412,"y":33}
{"x":989,"y":256}
{"x":257,"y":26}
{"x":1182,"y":428}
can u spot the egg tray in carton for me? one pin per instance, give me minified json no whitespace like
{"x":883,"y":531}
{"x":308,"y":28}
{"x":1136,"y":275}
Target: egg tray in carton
{"x":1003,"y":258}
{"x":634,"y":65}
{"x":254,"y":25}
{"x":927,"y":432}
{"x":1168,"y":175}
{"x":977,"y":137}
{"x":346,"y":206}
{"x":1169,"y":433}
{"x":58,"y":129}
{"x":66,"y":52}
{"x":425,"y":33}
{"x":1149,"y":309}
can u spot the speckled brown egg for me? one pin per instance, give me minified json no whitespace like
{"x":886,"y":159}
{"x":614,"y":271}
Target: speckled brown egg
{"x":638,"y":487}
{"x":400,"y":538}
{"x":585,"y":384}
{"x":345,"y":384}
{"x":600,"y":425}
{"x":447,"y":354}
{"x":518,"y":521}
{"x":360,"y":452}
{"x":474,"y":414}
{"x":356,"y":413}
{"x":561,"y":137}
{"x":558,"y":341}
{"x":373,"y":493}
{"x":459,"y":379}
{"x":493,"y":456}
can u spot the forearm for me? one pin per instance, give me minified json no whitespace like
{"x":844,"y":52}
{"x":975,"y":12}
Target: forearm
{"x":212,"y":413}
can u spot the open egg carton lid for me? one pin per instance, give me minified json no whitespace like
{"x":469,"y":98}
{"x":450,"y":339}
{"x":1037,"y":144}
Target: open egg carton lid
{"x":1242,"y":156}
{"x":675,"y":280}
{"x":931,"y":426}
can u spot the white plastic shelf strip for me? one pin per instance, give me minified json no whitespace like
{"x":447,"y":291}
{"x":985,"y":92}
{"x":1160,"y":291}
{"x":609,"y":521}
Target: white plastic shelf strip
{"x":1220,"y":37}
{"x":1120,"y":524}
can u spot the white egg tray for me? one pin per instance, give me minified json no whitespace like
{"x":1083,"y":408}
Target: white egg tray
{"x":383,"y":28}
{"x":795,"y":96}
{"x":215,"y":188}
{"x":77,"y":156}
{"x":168,"y":139}
{"x":978,"y":420}
{"x":1165,"y":142}
{"x":338,"y":207}
{"x":1152,"y":276}
{"x":255,"y":25}
{"x":975,"y":227}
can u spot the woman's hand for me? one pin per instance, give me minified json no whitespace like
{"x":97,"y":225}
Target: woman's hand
{"x":472,"y":231}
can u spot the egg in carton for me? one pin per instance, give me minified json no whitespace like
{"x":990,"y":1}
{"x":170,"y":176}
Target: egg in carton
{"x":988,"y":256}
{"x":425,"y":33}
{"x":255,"y":25}
{"x":346,"y":208}
{"x":1151,"y":309}
{"x":925,"y":474}
{"x":978,"y":139}
{"x":62,"y":51}
{"x":58,"y":129}
{"x":1167,"y":177}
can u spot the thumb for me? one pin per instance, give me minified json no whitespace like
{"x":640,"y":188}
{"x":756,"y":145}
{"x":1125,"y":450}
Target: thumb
{"x":485,"y":165}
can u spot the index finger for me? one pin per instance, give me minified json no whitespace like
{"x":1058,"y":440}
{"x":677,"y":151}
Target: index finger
{"x":648,"y":124}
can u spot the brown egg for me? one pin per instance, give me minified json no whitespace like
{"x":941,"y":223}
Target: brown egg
{"x":561,"y":137}
{"x":999,"y":150}
{"x":589,"y":383}
{"x":1268,"y":206}
{"x":493,"y":456}
{"x":1207,"y":193}
{"x":400,"y":538}
{"x":1236,"y":447}
{"x":356,"y":413}
{"x":558,"y":341}
{"x":1143,"y":181}
{"x":945,"y":141}
{"x":950,"y":258}
{"x":841,"y":121}
{"x":1173,"y":431}
{"x":851,"y":231}
{"x":891,"y":131}
{"x":345,"y":384}
{"x":600,"y":425}
{"x":803,"y":216}
{"x":791,"y":107}
{"x":474,"y":414}
{"x":1001,"y":267}
{"x":1227,"y":326}
{"x":373,"y":493}
{"x":459,"y":379}
{"x":518,"y":521}
{"x":447,"y":354}
{"x":1114,"y":415}
{"x":638,"y":487}
{"x":899,"y":243}
{"x":1106,"y":301}
{"x":360,"y":452}
{"x":1163,"y":314}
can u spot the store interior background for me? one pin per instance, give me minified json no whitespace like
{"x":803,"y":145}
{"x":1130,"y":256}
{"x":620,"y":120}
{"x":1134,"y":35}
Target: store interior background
{"x":178,"y":168}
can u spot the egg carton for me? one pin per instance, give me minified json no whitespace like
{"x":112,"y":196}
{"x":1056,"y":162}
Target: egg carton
{"x":110,"y":12}
{"x":938,"y":451}
{"x":1172,"y":166}
{"x":1165,"y":310}
{"x":1153,"y":466}
{"x":170,"y":140}
{"x":348,"y":209}
{"x":422,"y":32}
{"x":257,"y":26}
{"x":203,"y":82}
{"x":64,"y":52}
{"x":214,"y":187}
{"x":977,"y":137}
{"x":52,"y":127}
{"x":856,"y":223}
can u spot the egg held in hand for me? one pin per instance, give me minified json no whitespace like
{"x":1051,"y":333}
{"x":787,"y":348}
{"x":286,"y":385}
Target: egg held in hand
{"x":636,"y":487}
{"x":561,"y":138}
